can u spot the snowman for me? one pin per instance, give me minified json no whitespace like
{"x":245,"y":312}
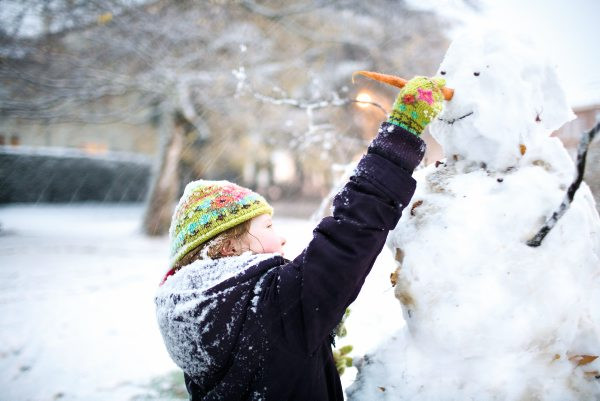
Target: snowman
{"x":487,"y":316}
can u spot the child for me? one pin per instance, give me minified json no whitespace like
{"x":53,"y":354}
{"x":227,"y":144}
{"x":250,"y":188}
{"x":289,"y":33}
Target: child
{"x":243,"y":322}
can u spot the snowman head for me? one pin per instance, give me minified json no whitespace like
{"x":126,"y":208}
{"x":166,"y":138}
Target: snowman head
{"x":507,"y":98}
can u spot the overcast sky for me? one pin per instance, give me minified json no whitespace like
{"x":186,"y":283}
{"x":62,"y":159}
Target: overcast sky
{"x":567,"y":30}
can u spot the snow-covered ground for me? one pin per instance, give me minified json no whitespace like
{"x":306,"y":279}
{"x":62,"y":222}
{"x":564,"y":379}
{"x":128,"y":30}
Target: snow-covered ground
{"x":77,"y":315}
{"x":76,"y":310}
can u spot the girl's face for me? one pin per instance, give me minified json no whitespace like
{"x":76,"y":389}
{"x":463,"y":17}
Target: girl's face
{"x":262,"y":238}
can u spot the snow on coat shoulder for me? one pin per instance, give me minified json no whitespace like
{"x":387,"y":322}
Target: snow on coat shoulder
{"x":201,"y":309}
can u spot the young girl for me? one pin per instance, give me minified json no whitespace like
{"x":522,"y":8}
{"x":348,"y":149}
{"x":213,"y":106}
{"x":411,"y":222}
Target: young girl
{"x":243,"y":322}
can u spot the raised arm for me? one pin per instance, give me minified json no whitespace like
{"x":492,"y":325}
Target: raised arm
{"x":314,"y":289}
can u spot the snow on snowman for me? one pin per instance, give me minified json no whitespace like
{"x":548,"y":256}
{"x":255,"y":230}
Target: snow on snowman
{"x":488,"y":317}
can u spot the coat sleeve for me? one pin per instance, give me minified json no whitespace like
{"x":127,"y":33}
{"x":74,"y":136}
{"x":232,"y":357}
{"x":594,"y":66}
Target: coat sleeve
{"x":313,"y":291}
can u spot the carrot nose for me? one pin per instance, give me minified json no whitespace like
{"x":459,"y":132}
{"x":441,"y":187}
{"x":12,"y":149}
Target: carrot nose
{"x":397,"y":81}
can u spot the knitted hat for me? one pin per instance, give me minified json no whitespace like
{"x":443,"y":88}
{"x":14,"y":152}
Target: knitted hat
{"x":206,"y":209}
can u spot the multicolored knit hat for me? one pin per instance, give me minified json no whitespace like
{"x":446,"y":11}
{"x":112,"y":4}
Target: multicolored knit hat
{"x":206,"y":209}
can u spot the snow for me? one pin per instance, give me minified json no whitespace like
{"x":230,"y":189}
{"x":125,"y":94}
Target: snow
{"x":560,"y":28}
{"x":497,"y":100}
{"x":489,"y":313}
{"x":488,"y":317}
{"x":482,"y":315}
{"x":77,"y":312}
{"x":178,"y":301}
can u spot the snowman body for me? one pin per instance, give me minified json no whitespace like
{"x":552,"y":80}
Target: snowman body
{"x":487,"y":316}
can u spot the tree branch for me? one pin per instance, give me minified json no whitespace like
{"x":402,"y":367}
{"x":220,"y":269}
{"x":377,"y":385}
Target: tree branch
{"x":564,"y":206}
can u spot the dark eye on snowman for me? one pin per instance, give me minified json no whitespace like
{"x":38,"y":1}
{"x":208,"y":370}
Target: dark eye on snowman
{"x":476,"y":74}
{"x":442,"y":72}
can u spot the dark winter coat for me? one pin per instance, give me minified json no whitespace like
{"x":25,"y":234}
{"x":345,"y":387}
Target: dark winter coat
{"x":256,"y":327}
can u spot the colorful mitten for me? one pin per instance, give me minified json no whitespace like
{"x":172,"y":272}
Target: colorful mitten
{"x":418,"y":103}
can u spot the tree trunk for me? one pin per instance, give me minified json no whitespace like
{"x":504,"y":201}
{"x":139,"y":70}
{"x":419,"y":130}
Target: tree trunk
{"x":166,"y":181}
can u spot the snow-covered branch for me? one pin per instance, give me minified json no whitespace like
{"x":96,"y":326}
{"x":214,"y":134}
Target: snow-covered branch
{"x":564,"y":206}
{"x":284,"y":12}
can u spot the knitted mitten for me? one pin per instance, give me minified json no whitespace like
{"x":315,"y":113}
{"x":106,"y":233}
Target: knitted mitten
{"x":417,"y":104}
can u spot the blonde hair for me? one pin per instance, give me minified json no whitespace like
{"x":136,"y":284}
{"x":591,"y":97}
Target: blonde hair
{"x":213,"y":248}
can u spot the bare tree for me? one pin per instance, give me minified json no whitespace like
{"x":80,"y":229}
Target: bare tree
{"x":215,"y":71}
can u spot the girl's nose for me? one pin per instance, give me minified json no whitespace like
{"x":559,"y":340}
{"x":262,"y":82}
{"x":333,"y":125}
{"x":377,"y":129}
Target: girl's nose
{"x":283,"y":241}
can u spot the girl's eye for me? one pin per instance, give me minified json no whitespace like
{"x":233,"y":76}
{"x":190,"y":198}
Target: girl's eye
{"x":442,"y":72}
{"x":476,"y":74}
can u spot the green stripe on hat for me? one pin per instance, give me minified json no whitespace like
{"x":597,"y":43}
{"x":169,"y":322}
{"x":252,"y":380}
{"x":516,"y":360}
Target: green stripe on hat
{"x":208,"y":208}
